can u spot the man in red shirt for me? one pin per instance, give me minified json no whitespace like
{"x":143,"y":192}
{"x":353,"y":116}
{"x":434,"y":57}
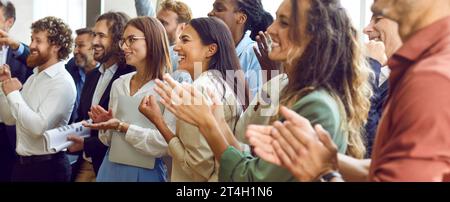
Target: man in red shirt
{"x":413,"y":139}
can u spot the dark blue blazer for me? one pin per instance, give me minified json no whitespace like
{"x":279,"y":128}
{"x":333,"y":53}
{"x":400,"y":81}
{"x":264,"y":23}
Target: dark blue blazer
{"x":380,"y":94}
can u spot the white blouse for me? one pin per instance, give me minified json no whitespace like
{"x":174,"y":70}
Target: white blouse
{"x":146,"y":140}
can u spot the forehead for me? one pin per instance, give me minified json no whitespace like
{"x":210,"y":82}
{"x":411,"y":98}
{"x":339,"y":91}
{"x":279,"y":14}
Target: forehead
{"x":285,"y":8}
{"x":226,"y":3}
{"x":101,"y":26}
{"x":83,"y":37}
{"x":39,"y":34}
{"x":190,"y":32}
{"x":166,"y":14}
{"x":131,"y":30}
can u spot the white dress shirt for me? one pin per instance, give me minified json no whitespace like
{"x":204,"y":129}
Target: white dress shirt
{"x":384,"y":75}
{"x":103,"y":82}
{"x":145,"y":140}
{"x":45,"y":102}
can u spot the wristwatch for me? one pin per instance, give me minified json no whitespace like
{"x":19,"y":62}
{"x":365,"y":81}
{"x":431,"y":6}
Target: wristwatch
{"x":328,"y":177}
{"x":120,"y":126}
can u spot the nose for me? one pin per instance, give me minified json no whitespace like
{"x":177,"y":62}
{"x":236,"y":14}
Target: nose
{"x":76,"y":50}
{"x":32,"y":45}
{"x":177,"y":47}
{"x":123,"y":46}
{"x":95,"y":40}
{"x":211,"y":13}
{"x":271,"y":30}
{"x":367,"y":30}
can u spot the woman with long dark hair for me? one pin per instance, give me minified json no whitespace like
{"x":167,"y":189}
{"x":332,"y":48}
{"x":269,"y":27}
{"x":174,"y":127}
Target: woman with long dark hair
{"x":206,"y":51}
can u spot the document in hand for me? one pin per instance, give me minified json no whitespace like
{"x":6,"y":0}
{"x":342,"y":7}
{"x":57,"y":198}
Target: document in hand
{"x":56,"y":139}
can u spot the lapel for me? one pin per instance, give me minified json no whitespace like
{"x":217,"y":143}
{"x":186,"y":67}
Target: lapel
{"x":121,"y":70}
{"x":9,"y":57}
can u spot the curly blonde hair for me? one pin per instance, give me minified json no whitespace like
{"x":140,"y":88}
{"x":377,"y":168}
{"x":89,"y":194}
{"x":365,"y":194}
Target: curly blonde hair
{"x":59,"y":34}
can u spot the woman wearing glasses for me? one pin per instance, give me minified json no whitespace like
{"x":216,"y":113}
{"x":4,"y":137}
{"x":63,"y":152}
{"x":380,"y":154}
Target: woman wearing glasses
{"x":136,"y":147}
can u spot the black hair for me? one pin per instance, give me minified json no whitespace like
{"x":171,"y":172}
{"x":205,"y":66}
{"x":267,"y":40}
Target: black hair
{"x":214,"y":31}
{"x":9,"y":10}
{"x":84,"y":31}
{"x":257,"y":18}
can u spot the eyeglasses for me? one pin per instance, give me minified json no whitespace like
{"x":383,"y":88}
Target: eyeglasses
{"x":129,"y":40}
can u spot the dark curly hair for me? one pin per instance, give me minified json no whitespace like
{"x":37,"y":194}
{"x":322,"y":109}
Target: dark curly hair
{"x":258,"y":18}
{"x":59,"y":34}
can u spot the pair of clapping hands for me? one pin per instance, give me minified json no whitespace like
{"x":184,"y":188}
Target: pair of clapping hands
{"x":183,"y":100}
{"x":307,"y":151}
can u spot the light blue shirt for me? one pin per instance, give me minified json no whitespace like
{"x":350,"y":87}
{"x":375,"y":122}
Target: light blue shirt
{"x":249,"y":63}
{"x":144,"y":8}
{"x":173,"y":58}
{"x":19,"y":51}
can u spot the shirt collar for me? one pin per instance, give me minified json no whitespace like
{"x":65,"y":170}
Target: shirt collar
{"x":421,"y":42}
{"x":53,"y":70}
{"x":243,"y":44}
{"x":112,"y":69}
{"x":82,"y":74}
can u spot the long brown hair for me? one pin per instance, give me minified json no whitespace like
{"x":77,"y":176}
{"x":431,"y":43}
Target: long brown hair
{"x":158,"y":59}
{"x":332,"y":60}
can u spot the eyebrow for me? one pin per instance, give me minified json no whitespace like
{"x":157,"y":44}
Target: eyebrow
{"x":184,"y":36}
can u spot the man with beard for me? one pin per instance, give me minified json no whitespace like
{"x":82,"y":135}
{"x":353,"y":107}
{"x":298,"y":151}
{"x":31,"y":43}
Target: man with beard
{"x":45,"y":102}
{"x":82,"y":63}
{"x":107,"y":34}
{"x":18,"y":70}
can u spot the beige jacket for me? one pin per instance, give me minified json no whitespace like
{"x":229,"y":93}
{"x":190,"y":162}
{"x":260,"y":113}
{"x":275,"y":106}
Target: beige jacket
{"x":193,"y":160}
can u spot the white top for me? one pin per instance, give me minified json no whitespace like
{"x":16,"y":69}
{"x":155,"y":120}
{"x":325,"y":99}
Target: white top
{"x":145,"y":140}
{"x":384,"y":75}
{"x":103,"y":81}
{"x":45,"y":102}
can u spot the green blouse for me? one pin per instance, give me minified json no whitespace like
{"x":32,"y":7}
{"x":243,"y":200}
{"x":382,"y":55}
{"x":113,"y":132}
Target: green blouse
{"x":319,"y":108}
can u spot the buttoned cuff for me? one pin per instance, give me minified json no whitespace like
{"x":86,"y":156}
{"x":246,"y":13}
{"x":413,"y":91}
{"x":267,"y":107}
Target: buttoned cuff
{"x":176,"y":149}
{"x":19,"y":51}
{"x":134,"y":134}
{"x":229,"y":160}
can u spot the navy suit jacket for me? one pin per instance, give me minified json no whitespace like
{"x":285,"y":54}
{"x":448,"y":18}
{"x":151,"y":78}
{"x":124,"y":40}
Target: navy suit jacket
{"x":73,"y":70}
{"x":380,"y":94}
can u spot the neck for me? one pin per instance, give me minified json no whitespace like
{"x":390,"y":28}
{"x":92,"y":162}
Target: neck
{"x":48,"y":64}
{"x":198,"y":69}
{"x":412,"y":24}
{"x":140,"y":73}
{"x":110,"y":62}
{"x":91,"y":66}
{"x":238,"y":36}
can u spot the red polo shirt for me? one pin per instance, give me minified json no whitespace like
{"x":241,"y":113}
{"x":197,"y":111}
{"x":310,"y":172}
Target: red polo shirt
{"x":413,"y":140}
